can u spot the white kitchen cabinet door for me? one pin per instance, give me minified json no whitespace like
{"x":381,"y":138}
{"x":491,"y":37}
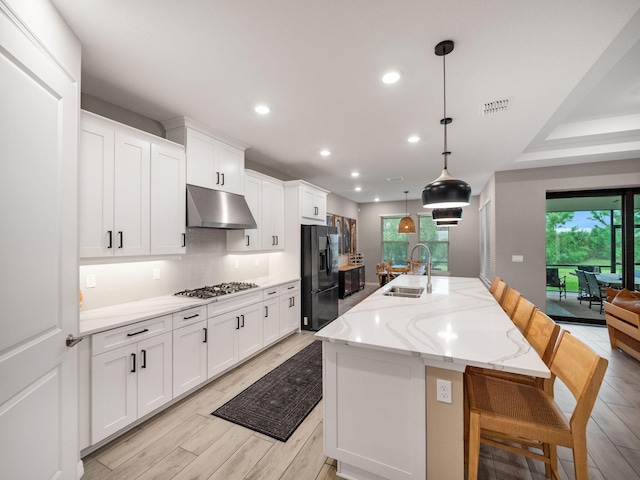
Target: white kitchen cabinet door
{"x":154,"y":373}
{"x":113,"y":391}
{"x":272,"y":216}
{"x":250,"y":334}
{"x":214,"y":164}
{"x":132,"y":195}
{"x":189,"y":357}
{"x":249,"y":239}
{"x":223,"y":343}
{"x":314,"y":204}
{"x":271,"y":316}
{"x":95,"y":190}
{"x":290,"y":310}
{"x":168,"y":200}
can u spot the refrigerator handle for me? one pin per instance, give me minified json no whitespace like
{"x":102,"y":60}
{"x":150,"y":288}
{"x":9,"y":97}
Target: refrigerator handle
{"x":329,"y":262}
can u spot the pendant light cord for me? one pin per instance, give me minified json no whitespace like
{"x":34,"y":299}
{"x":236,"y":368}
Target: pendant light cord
{"x":444,"y":118}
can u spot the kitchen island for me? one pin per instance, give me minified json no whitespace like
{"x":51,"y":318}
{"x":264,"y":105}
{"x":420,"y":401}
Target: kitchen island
{"x":386,"y":359}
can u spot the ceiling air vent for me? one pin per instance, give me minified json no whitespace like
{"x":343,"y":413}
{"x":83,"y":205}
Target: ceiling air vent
{"x":497,"y":106}
{"x":395,"y":179}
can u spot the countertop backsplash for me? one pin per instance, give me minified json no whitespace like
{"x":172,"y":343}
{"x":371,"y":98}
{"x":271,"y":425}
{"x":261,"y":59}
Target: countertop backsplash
{"x":205,"y":263}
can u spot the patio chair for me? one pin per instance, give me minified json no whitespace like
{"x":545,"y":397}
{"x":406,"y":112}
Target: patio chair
{"x":596,"y":291}
{"x":557,"y":281}
{"x":583,"y":288}
{"x":589,"y":268}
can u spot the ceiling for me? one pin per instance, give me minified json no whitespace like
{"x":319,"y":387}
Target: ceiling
{"x":570,"y":71}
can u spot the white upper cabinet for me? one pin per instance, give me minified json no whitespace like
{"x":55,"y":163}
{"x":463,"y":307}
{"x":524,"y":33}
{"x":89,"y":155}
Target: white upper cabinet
{"x":131,"y":191}
{"x":168,"y":199}
{"x":314,"y":203}
{"x":265,"y":197}
{"x":213,"y":160}
{"x":306,"y":204}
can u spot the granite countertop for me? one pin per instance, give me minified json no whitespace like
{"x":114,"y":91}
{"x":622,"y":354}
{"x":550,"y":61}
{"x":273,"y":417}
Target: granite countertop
{"x":459,"y":324}
{"x":105,"y":318}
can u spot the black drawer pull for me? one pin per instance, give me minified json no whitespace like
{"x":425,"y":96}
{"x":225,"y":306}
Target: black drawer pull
{"x":266,"y":311}
{"x":191,"y":316}
{"x":242,"y":321}
{"x":121,"y":239}
{"x":137,"y":333}
{"x":133,"y":356}
{"x":205,"y":335}
{"x":110,"y":239}
{"x":144,"y":359}
{"x":237,"y":323}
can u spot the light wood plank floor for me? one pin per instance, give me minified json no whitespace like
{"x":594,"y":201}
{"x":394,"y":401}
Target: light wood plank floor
{"x":185,"y":441}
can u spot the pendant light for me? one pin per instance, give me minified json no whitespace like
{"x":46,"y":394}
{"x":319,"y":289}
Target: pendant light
{"x":446,"y":214}
{"x":449,"y":223}
{"x":445,"y":191}
{"x":406,"y":224}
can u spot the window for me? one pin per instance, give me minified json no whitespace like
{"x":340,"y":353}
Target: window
{"x":394,"y":244}
{"x":485,"y":242}
{"x":437,"y":239}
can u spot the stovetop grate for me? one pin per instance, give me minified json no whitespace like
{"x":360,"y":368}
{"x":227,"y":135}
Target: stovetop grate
{"x":211,"y":291}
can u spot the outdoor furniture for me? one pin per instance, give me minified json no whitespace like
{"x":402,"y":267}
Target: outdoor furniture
{"x":589,"y":268}
{"x":596,"y":291}
{"x":557,"y":281}
{"x":583,"y":288}
{"x":519,"y":418}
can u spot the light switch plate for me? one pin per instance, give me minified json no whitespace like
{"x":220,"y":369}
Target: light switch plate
{"x":90,"y":280}
{"x":517,"y":258}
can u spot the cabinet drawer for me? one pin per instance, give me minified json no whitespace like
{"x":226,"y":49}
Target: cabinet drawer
{"x":288,"y":288}
{"x":187,"y":317}
{"x":129,"y":334}
{"x":233,"y":302}
{"x":270,"y":293}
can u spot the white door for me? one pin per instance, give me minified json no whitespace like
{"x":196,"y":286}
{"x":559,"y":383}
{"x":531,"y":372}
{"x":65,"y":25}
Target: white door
{"x":38,"y":245}
{"x":154,"y":373}
{"x":271,"y":312}
{"x":250,"y":335}
{"x":223,"y":342}
{"x":189,"y":357}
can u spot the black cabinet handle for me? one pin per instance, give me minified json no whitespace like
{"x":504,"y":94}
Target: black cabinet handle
{"x":121,"y":239}
{"x":217,"y":178}
{"x":184,"y":239}
{"x":266,"y":311}
{"x":292,"y":286}
{"x":110,"y":239}
{"x":247,"y":241}
{"x":237,"y":323}
{"x":137,"y":333}
{"x":191,"y":316}
{"x":277,"y":240}
{"x":144,"y":359}
{"x":133,"y":356}
{"x":242,"y":321}
{"x":205,"y":335}
{"x":223,"y":179}
{"x":293,"y":301}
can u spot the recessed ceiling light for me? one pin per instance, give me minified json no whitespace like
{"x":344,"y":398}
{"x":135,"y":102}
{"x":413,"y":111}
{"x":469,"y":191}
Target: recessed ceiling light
{"x":325,"y":153}
{"x":358,"y":189}
{"x":262,"y":109}
{"x":413,"y":139}
{"x":391,"y":77}
{"x":355,"y":174}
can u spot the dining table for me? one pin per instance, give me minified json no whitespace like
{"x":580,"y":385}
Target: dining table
{"x":614,"y":280}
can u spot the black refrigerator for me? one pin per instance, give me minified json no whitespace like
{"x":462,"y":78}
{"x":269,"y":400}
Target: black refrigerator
{"x":319,"y":276}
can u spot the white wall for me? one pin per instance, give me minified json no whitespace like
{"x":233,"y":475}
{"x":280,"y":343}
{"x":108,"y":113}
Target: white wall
{"x":519,"y":204}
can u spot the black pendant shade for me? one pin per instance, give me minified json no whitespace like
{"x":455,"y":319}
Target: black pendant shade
{"x":446,"y":214}
{"x":445,"y":191}
{"x":451,"y":223}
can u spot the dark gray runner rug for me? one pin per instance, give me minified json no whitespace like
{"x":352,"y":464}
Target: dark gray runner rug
{"x":278,"y":403}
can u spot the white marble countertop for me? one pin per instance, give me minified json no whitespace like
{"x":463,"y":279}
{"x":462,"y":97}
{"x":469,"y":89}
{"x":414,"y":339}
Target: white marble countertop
{"x":459,"y":324}
{"x":105,"y":318}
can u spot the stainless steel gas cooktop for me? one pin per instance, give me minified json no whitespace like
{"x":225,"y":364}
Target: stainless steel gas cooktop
{"x":216,"y":290}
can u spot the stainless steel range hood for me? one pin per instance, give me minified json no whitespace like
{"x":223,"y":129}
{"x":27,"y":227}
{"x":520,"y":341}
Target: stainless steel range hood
{"x":215,"y":209}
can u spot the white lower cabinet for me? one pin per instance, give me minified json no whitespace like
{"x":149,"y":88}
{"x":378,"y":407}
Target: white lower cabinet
{"x":289,"y":308}
{"x":271,"y":315}
{"x":233,"y":337}
{"x":189,"y":357}
{"x":129,"y":382}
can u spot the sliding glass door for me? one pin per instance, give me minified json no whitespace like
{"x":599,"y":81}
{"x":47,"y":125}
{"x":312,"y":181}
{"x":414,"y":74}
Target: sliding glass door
{"x":592,"y":241}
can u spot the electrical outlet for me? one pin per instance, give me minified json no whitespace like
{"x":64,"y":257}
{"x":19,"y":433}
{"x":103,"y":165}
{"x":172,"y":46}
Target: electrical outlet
{"x":443,"y":391}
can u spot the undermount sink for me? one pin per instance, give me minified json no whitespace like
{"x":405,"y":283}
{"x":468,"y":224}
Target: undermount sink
{"x":410,"y":292}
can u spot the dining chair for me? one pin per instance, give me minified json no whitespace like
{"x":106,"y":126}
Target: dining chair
{"x":555,"y":280}
{"x":494,"y":284}
{"x":596,"y":291}
{"x":383,"y":275}
{"x":518,"y":418}
{"x":510,"y":301}
{"x":523,"y":314}
{"x":583,"y":288}
{"x":500,"y":291}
